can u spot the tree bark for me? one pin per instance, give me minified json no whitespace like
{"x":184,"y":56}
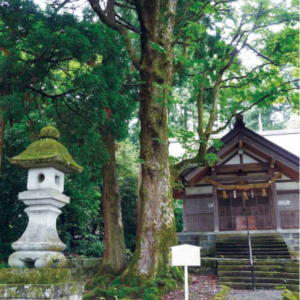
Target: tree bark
{"x":156,"y":231}
{"x":2,"y":129}
{"x":114,"y":259}
{"x":155,"y":216}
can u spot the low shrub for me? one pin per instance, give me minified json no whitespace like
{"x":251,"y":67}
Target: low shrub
{"x":290,"y":295}
{"x":108,"y":287}
{"x":222,"y":294}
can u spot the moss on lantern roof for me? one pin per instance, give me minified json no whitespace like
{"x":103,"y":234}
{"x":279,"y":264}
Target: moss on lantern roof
{"x":47,"y":152}
{"x":49,"y":132}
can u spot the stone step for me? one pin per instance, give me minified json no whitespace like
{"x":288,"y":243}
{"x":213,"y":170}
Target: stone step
{"x":283,"y":262}
{"x":267,"y":286}
{"x":261,"y":256}
{"x":233,"y":262}
{"x":261,"y":268}
{"x":239,"y":251}
{"x":255,"y":247}
{"x":271,"y":268}
{"x":254,"y":250}
{"x":248,"y":279}
{"x":234,"y":279}
{"x":272,"y":263}
{"x":253,"y":239}
{"x":266,"y":244}
{"x":257,"y":256}
{"x":234,"y":256}
{"x":260,"y":274}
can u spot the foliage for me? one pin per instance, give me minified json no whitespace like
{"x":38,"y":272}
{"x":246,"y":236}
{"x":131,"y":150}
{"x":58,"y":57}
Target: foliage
{"x":215,"y":80}
{"x":106,"y":285}
{"x":127,"y":165}
{"x":222,"y":294}
{"x":12,"y":181}
{"x":178,"y":209}
{"x":290,"y":295}
{"x":81,"y":68}
{"x":275,"y":117}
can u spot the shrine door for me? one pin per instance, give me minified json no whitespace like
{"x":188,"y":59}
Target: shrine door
{"x":255,"y":213}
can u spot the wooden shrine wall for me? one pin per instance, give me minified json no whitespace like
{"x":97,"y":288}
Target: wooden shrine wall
{"x":198,"y":213}
{"x":199,"y":210}
{"x":288,"y":204}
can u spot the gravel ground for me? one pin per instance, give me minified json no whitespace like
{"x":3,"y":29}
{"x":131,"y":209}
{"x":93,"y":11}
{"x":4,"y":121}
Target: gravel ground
{"x":254,"y":295}
{"x":202,"y":287}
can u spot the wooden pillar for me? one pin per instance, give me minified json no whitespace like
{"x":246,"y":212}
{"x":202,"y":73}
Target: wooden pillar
{"x":275,"y":205}
{"x":184,"y":219}
{"x":215,"y":202}
{"x":274,"y":199}
{"x":216,"y":209}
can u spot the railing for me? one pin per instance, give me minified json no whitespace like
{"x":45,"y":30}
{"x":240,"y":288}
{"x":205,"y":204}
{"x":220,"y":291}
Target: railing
{"x":251,"y":261}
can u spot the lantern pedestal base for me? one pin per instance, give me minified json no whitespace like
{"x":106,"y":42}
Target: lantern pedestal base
{"x":40,"y":244}
{"x":36,"y":259}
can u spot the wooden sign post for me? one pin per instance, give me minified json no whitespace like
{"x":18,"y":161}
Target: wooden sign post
{"x":186,"y":255}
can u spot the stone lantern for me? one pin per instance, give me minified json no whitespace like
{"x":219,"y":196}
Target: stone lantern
{"x":47,"y":161}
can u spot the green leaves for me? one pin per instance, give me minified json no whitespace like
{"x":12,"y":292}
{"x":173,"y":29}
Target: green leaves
{"x":211,"y":159}
{"x":157,"y":47}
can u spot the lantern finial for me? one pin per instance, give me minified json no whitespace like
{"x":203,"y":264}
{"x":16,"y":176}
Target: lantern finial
{"x":49,"y":132}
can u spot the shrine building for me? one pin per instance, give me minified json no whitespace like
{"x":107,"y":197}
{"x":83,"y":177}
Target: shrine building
{"x":253,"y":187}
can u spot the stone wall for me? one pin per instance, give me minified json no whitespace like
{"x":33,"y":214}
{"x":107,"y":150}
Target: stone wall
{"x":83,"y":268}
{"x":69,"y":291}
{"x":44,"y":283}
{"x":207,"y":241}
{"x":292,"y":239}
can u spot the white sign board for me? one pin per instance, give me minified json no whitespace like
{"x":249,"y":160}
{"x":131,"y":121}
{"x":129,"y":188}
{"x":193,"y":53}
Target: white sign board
{"x":185,"y":255}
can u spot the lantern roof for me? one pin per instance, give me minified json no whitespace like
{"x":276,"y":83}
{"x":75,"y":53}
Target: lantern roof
{"x":47,"y":152}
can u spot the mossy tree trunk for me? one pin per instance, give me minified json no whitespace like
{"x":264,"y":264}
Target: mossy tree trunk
{"x":114,"y":245}
{"x":155,"y":216}
{"x":156,"y":227}
{"x":2,"y":129}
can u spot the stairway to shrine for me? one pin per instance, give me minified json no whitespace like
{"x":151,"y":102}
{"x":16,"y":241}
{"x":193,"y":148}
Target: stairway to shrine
{"x":273,"y":265}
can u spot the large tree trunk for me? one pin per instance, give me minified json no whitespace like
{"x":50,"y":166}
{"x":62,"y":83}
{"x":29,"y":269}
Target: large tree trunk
{"x":155,"y":224}
{"x":114,"y":259}
{"x":2,"y":128}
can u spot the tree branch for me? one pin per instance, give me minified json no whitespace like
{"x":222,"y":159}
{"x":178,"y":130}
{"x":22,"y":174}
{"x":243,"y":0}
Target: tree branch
{"x":103,"y":17}
{"x":48,"y":95}
{"x":121,"y":28}
{"x":263,"y":56}
{"x":124,"y":6}
{"x":255,"y":103}
{"x":126,"y":24}
{"x":246,"y":75}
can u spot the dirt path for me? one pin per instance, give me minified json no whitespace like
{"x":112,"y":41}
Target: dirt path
{"x":202,"y":287}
